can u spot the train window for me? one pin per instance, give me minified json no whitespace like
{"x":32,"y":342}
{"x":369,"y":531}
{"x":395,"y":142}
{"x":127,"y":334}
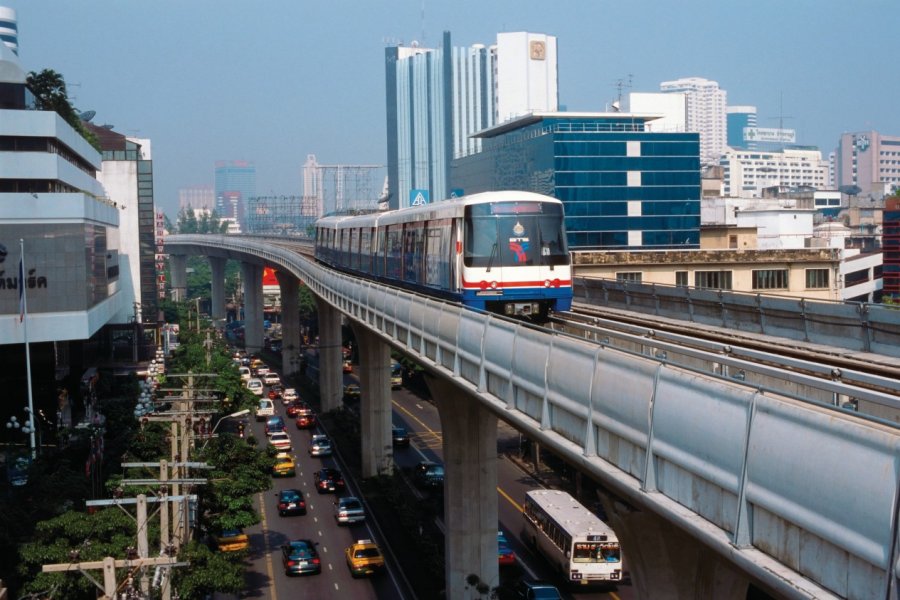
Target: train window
{"x":394,"y":251}
{"x":505,"y":237}
{"x":365,"y":250}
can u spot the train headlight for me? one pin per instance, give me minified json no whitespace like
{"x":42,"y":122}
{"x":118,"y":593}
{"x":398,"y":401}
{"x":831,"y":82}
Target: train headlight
{"x":547,"y":283}
{"x":493,"y":285}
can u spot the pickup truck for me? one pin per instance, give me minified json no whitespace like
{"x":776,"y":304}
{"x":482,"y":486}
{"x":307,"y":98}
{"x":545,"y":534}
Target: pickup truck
{"x":265,"y":409}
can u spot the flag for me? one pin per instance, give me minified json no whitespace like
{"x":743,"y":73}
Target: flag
{"x":21,"y":289}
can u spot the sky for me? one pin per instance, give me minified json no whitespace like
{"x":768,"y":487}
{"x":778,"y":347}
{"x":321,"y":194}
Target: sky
{"x":272,"y":81}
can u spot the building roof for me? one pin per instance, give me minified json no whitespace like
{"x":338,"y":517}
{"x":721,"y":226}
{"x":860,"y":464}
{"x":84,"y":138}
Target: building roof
{"x":536,"y":117}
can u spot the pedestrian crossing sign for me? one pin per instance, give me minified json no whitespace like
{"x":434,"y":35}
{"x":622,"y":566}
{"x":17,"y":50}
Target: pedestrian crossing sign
{"x":418,"y":197}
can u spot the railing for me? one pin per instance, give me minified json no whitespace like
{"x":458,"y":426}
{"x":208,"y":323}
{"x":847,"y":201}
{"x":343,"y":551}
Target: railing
{"x":803,"y":498}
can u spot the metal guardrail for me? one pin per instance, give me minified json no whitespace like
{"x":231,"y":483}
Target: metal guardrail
{"x":851,"y":325}
{"x":804,"y":498}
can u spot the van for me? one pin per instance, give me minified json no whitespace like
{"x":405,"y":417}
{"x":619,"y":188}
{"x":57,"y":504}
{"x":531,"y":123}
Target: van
{"x":265,"y":409}
{"x":255,"y":386}
{"x":245,"y":373}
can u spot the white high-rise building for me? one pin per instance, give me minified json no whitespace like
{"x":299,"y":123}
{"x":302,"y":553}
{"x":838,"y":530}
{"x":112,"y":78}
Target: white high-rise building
{"x":672,"y":107}
{"x":9,"y":29}
{"x":437,"y":98}
{"x":706,"y":106}
{"x":747,"y":172}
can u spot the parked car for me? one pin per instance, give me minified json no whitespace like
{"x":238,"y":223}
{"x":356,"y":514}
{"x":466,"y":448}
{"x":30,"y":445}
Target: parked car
{"x":349,"y":510}
{"x":428,"y":474}
{"x":319,"y":445}
{"x":505,"y":554}
{"x":399,"y":437}
{"x":291,"y":502}
{"x":299,"y":557}
{"x":232,"y":540}
{"x":264,"y":409}
{"x":329,"y":480}
{"x":273,"y":424}
{"x":281,"y":441}
{"x":364,"y":558}
{"x":284,"y":465}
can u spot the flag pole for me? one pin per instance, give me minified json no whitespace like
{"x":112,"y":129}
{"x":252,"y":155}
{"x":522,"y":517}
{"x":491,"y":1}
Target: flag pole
{"x":27,"y":348}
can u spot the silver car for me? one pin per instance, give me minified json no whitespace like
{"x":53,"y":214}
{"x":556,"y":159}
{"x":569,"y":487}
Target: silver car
{"x":319,"y":445}
{"x":349,"y":510}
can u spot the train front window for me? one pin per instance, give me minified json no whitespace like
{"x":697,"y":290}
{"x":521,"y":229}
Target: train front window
{"x":511,"y":234}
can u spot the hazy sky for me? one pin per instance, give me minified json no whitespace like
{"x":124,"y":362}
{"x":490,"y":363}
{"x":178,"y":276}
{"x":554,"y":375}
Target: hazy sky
{"x":271,"y":81}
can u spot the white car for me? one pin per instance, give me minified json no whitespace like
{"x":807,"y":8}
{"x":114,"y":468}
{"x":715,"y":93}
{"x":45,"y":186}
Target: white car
{"x":271,"y":378}
{"x":289,"y":395}
{"x":265,"y":409}
{"x":255,"y":386}
{"x":281,"y":441}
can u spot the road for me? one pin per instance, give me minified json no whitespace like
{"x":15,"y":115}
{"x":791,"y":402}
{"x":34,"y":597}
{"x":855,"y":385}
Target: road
{"x":266,"y":577}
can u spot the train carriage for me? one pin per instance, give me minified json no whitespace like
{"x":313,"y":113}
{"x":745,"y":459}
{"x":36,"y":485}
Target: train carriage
{"x":503,"y":252}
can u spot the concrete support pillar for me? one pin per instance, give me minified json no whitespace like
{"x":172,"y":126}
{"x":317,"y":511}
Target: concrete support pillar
{"x":252,"y":275}
{"x":217,"y":296}
{"x":331,"y":388}
{"x":290,"y":323}
{"x":470,"y":491}
{"x":375,"y":403}
{"x":666,"y":563}
{"x":178,"y":273}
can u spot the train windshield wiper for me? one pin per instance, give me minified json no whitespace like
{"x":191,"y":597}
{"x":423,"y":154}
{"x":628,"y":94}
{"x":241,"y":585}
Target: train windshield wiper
{"x":494,"y":249}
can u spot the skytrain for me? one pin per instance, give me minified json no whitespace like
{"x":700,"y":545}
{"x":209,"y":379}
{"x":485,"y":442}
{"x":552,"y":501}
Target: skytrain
{"x":503,"y":252}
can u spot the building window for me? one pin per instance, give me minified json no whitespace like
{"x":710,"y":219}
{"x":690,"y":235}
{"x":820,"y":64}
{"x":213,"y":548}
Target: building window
{"x":770,"y":279}
{"x":717,"y":280}
{"x":732,"y":242}
{"x":817,"y":279}
{"x":634,"y":276}
{"x":681,"y":278}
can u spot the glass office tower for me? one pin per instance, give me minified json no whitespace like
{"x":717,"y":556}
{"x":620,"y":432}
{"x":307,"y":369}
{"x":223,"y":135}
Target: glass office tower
{"x":622,"y":187}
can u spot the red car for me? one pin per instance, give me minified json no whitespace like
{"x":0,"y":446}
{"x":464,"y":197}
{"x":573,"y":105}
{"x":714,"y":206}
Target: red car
{"x":297,"y":408}
{"x":306,"y":421}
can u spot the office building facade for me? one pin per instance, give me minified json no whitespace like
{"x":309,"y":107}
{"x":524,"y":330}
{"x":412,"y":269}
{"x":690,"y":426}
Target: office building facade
{"x":197,"y":198}
{"x":869,"y":160}
{"x":127,"y":177}
{"x":9,"y":29}
{"x":706,"y":115}
{"x":890,"y":241}
{"x":50,"y":198}
{"x":622,"y":187}
{"x":235,"y":183}
{"x":747,"y":172}
{"x":437,"y":99}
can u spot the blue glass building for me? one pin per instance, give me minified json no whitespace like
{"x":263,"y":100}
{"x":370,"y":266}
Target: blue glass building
{"x":235,"y":185}
{"x":622,"y":187}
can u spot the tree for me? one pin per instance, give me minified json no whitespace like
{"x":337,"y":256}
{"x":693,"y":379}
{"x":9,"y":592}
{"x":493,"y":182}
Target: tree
{"x":49,"y":89}
{"x":209,"y":572}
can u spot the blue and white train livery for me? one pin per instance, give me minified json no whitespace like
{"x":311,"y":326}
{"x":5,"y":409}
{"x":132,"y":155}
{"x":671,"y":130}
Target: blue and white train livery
{"x":504,"y":252}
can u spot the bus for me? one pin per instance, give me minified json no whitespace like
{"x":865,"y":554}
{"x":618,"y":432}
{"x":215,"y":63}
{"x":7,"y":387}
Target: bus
{"x":396,"y":376}
{"x":577,"y":543}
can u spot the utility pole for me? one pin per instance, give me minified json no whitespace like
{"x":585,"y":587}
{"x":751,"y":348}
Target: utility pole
{"x":108,"y":565}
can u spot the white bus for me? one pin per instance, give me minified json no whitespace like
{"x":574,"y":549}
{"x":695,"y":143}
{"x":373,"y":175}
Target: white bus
{"x":577,"y":543}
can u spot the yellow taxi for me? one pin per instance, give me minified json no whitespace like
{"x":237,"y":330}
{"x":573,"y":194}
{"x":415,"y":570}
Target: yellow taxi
{"x":284,"y":465}
{"x":364,"y":558}
{"x":232,"y":540}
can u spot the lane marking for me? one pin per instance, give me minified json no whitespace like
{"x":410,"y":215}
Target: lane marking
{"x":269,"y":569}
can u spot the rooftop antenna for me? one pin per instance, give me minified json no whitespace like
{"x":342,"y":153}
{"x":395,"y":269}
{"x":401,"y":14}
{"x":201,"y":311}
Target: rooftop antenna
{"x":422,"y":16}
{"x":621,"y":84}
{"x":781,"y":117}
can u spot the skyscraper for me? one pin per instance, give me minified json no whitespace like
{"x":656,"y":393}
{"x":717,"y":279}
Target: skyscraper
{"x":737,"y":119}
{"x":197,"y":197}
{"x":869,"y":160}
{"x":9,"y":29}
{"x":438,"y":98}
{"x":705,"y":113}
{"x":235,"y":185}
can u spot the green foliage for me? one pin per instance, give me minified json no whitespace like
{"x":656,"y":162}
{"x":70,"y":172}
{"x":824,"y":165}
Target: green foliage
{"x":188,"y":222}
{"x":108,"y":532}
{"x":240,"y":471}
{"x":209,"y":572}
{"x":49,"y":89}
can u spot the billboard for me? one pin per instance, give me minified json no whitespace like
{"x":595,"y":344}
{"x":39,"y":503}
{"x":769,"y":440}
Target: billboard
{"x":770,"y":135}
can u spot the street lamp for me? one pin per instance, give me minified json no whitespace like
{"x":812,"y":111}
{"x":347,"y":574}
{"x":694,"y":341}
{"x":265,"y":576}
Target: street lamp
{"x":26,"y":428}
{"x":239,"y":413}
